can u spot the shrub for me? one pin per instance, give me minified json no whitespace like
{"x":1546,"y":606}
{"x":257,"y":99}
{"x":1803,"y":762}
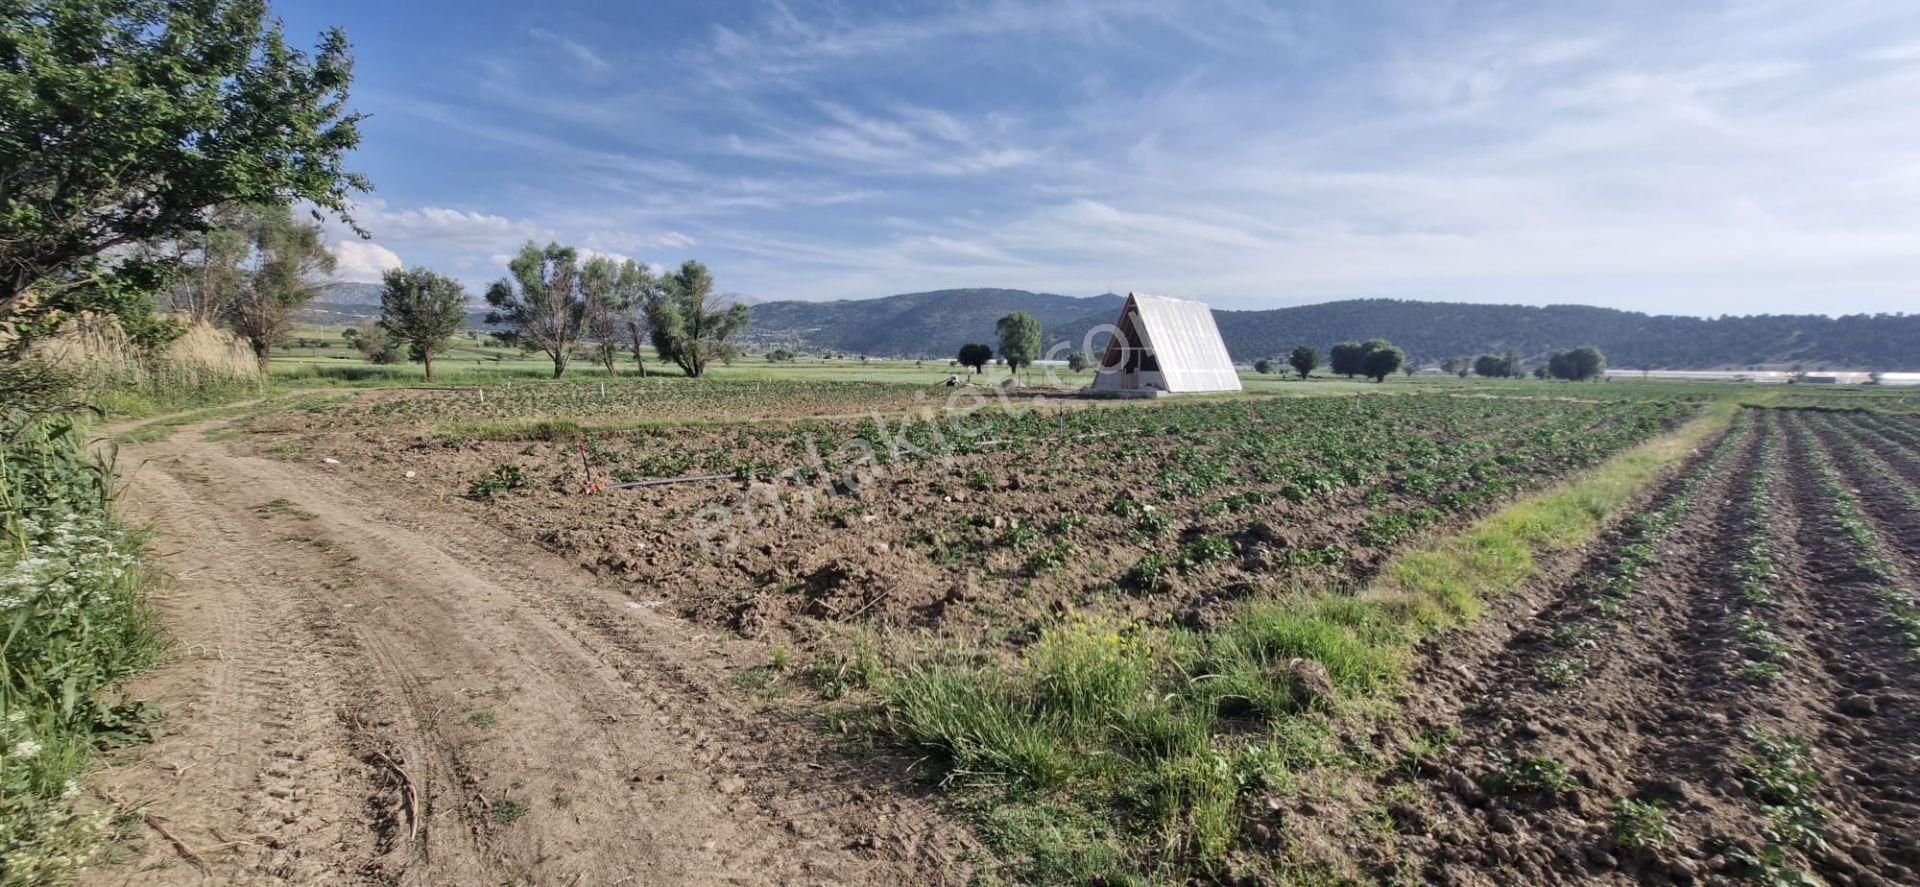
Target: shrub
{"x":503,"y":476}
{"x":77,"y":629}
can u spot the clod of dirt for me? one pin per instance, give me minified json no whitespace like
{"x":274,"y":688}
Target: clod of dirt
{"x":1859,"y":706}
{"x":1468,"y":791}
{"x":1307,"y":682}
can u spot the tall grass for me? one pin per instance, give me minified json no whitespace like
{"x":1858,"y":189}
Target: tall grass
{"x":73,"y":630}
{"x":110,"y":373}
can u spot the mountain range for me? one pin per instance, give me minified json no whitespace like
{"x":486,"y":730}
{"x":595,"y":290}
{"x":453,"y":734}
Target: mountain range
{"x":935,"y":324}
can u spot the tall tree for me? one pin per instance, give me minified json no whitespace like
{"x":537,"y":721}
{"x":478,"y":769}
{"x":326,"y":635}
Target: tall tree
{"x":540,"y":301}
{"x":1304,"y":359}
{"x":1382,"y":360}
{"x":1346,"y":359}
{"x":690,"y":324}
{"x":422,"y":309}
{"x":210,"y":266}
{"x":617,"y":296}
{"x":976,"y":355}
{"x":1019,"y":339}
{"x":287,"y":258}
{"x":126,"y":120}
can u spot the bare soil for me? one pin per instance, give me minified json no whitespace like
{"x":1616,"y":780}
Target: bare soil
{"x":369,"y":692}
{"x":1662,"y":713}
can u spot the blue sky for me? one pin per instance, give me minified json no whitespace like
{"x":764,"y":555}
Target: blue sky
{"x":1748,"y":156}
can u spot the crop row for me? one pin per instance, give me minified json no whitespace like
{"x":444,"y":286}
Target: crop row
{"x":1636,"y":551}
{"x":1762,"y":648}
{"x":1903,"y":606}
{"x":1865,"y":546}
{"x":1310,"y":444}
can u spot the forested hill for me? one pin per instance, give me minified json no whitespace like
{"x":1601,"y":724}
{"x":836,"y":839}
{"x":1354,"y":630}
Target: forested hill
{"x":931,"y":324}
{"x":1431,"y":331}
{"x":936,"y":324}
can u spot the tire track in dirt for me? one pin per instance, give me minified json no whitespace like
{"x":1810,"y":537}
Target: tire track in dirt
{"x":1869,"y":753}
{"x":548,"y":732}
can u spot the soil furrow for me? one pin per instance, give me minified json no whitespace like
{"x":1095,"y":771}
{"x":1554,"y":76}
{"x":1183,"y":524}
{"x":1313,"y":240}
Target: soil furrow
{"x":1855,"y":694}
{"x":1632,"y":694}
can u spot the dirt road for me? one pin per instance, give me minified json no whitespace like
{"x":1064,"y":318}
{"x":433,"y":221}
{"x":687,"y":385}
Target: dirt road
{"x":363,"y":694}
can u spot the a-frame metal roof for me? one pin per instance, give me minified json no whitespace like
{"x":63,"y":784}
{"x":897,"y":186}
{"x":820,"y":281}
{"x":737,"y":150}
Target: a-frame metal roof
{"x":1185,"y":342}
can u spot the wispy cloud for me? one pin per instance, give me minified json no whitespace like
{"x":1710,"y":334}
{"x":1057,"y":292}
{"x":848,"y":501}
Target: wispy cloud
{"x":582,"y":57}
{"x":1738,"y":156}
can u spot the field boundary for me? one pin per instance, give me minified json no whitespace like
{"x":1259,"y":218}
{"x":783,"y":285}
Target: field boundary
{"x":1498,"y":554}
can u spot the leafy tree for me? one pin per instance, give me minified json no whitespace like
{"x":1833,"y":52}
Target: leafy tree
{"x":690,"y":325}
{"x":1304,"y":360}
{"x":1578,"y":365}
{"x":1491,"y":366}
{"x":1587,"y":363}
{"x":1516,"y":365}
{"x":1019,"y":339}
{"x":123,"y":288}
{"x":210,"y":265}
{"x":1078,"y":361}
{"x":1382,"y":360}
{"x":421,"y":309}
{"x":1263,"y":366}
{"x":779,"y":355}
{"x":374,"y":344}
{"x":125,"y":121}
{"x":617,"y":295}
{"x":1458,"y":366}
{"x":976,"y":355}
{"x":1409,"y":368}
{"x":1348,"y":359}
{"x":287,"y":257}
{"x":540,"y":302}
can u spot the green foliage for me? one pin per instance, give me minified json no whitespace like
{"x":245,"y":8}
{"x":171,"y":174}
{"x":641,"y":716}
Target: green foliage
{"x":1640,"y":825}
{"x":1381,"y":360}
{"x":976,"y":355}
{"x":1527,"y":774}
{"x":76,"y":630}
{"x":503,"y":476}
{"x":1348,"y":359}
{"x":1494,"y":366}
{"x":287,"y":258}
{"x":124,"y":288}
{"x":617,"y":296}
{"x":126,"y":120}
{"x":1079,"y":361}
{"x":1581,"y":364}
{"x":1019,"y":339}
{"x":422,"y":309}
{"x":690,"y":325}
{"x":540,"y":301}
{"x":1304,"y":360}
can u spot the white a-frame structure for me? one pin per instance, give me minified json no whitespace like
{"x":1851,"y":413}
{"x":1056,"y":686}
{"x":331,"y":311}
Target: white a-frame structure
{"x":1165,"y":345}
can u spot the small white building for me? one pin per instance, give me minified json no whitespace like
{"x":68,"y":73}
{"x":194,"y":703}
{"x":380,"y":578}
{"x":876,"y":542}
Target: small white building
{"x":1165,"y":346}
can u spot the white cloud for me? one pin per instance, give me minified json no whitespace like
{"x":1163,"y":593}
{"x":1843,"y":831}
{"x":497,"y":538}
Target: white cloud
{"x":582,"y":57}
{"x":909,"y":140}
{"x":361,"y":261}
